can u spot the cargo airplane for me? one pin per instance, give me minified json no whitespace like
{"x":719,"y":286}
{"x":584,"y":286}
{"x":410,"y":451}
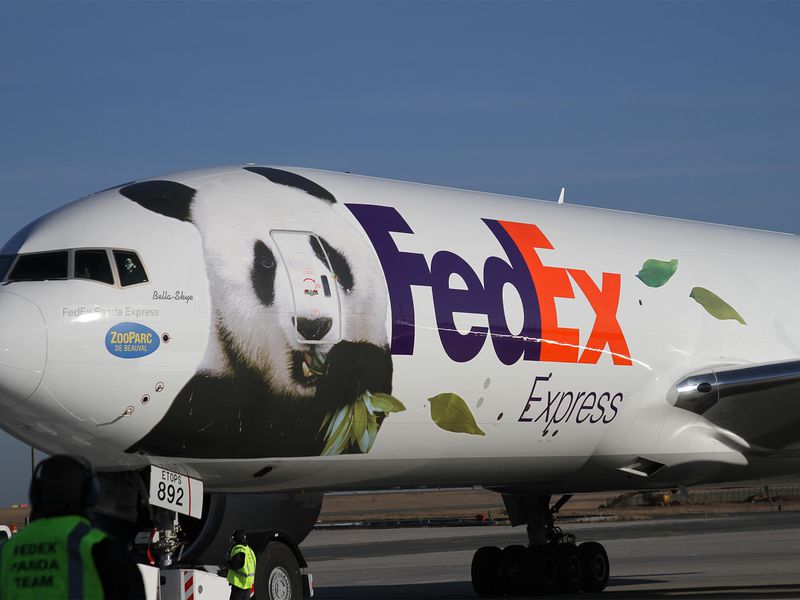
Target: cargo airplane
{"x":225,"y":345}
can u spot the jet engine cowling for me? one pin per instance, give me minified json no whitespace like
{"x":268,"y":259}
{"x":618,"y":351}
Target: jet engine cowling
{"x":257,"y":514}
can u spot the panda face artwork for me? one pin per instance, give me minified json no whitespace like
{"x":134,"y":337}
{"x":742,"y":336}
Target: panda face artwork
{"x":297,"y":334}
{"x":307,"y":336}
{"x":263,"y":273}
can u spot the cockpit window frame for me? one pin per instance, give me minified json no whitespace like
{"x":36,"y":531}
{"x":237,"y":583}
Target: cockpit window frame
{"x":109,"y":258}
{"x":117,"y":275}
{"x":19,"y":256}
{"x":71,"y":267}
{"x":14,"y":258}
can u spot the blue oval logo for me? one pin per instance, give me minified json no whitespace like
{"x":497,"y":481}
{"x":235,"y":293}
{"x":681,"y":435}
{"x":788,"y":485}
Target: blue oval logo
{"x":131,"y":340}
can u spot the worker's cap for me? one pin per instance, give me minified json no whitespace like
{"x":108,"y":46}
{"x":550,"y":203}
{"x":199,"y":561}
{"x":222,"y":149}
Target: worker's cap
{"x":239,"y":536}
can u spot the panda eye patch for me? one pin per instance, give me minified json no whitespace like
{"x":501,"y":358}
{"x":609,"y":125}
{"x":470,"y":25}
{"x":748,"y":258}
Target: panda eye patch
{"x":338,"y":263}
{"x":262,"y":273}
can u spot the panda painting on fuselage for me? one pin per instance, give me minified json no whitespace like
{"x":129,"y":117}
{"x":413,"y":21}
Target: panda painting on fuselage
{"x":298,"y":337}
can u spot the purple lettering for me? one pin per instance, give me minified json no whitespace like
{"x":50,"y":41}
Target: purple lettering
{"x":556,"y":418}
{"x":551,"y":400}
{"x":601,"y":407}
{"x":401,"y":269}
{"x":616,"y":397}
{"x":575,"y":404}
{"x":586,"y":406}
{"x":447,"y":301}
{"x":509,"y":346}
{"x":532,"y":398}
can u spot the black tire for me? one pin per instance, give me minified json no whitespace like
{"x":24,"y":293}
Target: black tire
{"x":486,"y":572}
{"x":515,"y":570}
{"x":543,"y":573}
{"x":596,"y":567}
{"x":278,"y":574}
{"x":568,"y":568}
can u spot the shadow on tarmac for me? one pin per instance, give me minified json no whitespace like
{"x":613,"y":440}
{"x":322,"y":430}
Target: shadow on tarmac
{"x":463,"y":590}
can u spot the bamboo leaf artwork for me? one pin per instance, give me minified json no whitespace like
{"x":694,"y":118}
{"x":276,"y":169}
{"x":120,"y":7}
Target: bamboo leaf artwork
{"x":655,"y":273}
{"x":357,"y":424}
{"x":451,"y":413}
{"x":714,"y":305}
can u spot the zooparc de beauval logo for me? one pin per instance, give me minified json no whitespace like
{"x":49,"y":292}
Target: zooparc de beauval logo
{"x":538,"y":286}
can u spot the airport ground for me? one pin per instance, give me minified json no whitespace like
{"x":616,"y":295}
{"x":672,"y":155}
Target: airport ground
{"x":746,"y":555}
{"x":661,"y":546}
{"x":712,"y":543}
{"x":468,"y":504}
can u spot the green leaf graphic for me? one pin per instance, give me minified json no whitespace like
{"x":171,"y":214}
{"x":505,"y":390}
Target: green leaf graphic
{"x":372,"y":431}
{"x":386,"y":403}
{"x":339,"y":431}
{"x":357,"y":424}
{"x":317,"y":365}
{"x":359,"y":430}
{"x":655,"y":273}
{"x":451,"y":413}
{"x":714,"y":305}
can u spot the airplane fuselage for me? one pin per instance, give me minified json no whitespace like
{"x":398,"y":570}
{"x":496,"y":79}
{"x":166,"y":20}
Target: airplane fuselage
{"x":267,"y":329}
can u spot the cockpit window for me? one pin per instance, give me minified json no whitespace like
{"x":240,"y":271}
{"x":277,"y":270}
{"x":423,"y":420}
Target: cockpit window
{"x":93,"y":264}
{"x":130,"y":268}
{"x":5,"y":265}
{"x":40,"y":266}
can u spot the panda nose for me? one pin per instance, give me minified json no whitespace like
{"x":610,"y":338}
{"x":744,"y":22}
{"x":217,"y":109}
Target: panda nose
{"x":313,"y":329}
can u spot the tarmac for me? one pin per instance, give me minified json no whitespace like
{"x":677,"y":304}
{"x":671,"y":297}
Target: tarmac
{"x":748,"y":555}
{"x":723,"y":550}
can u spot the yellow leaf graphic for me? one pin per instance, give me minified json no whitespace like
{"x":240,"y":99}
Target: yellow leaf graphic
{"x":714,"y":305}
{"x":451,"y":413}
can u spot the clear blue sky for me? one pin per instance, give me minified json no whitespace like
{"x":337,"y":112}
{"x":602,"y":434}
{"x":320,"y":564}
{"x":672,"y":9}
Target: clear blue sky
{"x":688,"y":109}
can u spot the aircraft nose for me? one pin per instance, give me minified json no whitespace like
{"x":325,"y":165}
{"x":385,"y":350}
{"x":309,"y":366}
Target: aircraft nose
{"x":23,"y":348}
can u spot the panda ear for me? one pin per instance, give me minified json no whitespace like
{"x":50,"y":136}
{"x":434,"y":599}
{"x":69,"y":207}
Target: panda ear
{"x":168,"y":198}
{"x":294,"y":180}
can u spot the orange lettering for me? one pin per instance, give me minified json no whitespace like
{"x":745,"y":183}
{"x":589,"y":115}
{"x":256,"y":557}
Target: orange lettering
{"x":606,"y":330}
{"x":559,"y":344}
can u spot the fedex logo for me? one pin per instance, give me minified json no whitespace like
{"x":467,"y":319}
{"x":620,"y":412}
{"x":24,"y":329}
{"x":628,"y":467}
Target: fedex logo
{"x":541,"y":338}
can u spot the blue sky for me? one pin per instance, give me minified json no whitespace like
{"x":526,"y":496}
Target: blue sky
{"x":687,"y":109}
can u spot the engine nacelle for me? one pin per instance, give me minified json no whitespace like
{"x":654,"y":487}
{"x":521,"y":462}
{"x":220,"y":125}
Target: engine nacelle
{"x":123,"y":512}
{"x":257,"y":514}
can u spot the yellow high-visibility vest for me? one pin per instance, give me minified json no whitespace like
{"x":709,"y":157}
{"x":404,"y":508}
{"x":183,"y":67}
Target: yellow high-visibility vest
{"x":51,"y":559}
{"x":246,"y":577}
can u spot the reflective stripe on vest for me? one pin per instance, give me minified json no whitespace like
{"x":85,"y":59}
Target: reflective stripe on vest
{"x":51,"y":558}
{"x":246,"y":576}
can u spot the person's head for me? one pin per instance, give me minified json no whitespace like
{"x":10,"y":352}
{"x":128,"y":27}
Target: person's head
{"x":63,"y":485}
{"x":238,"y":537}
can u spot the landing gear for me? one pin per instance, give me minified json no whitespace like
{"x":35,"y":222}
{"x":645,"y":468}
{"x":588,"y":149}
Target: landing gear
{"x":515,"y":570}
{"x":486,"y":572}
{"x":551,"y":562}
{"x":594,"y":563}
{"x":568,"y":567}
{"x":544,"y":570}
{"x":278,"y":573}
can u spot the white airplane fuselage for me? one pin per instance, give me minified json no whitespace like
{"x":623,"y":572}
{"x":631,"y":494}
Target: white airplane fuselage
{"x":310,"y":330}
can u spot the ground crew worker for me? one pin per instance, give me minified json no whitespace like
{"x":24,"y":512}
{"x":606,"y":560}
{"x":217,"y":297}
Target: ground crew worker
{"x":241,"y":566}
{"x":60,"y":554}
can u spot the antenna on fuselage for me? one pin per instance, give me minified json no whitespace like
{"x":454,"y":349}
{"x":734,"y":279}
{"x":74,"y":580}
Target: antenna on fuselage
{"x":561,"y":196}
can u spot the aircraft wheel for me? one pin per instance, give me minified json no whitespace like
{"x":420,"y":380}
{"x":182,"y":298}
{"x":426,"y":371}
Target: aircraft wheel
{"x":486,"y":572}
{"x":542,"y":565}
{"x":515,"y":570}
{"x":568,"y":567}
{"x":278,"y":574}
{"x":596,"y":567}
